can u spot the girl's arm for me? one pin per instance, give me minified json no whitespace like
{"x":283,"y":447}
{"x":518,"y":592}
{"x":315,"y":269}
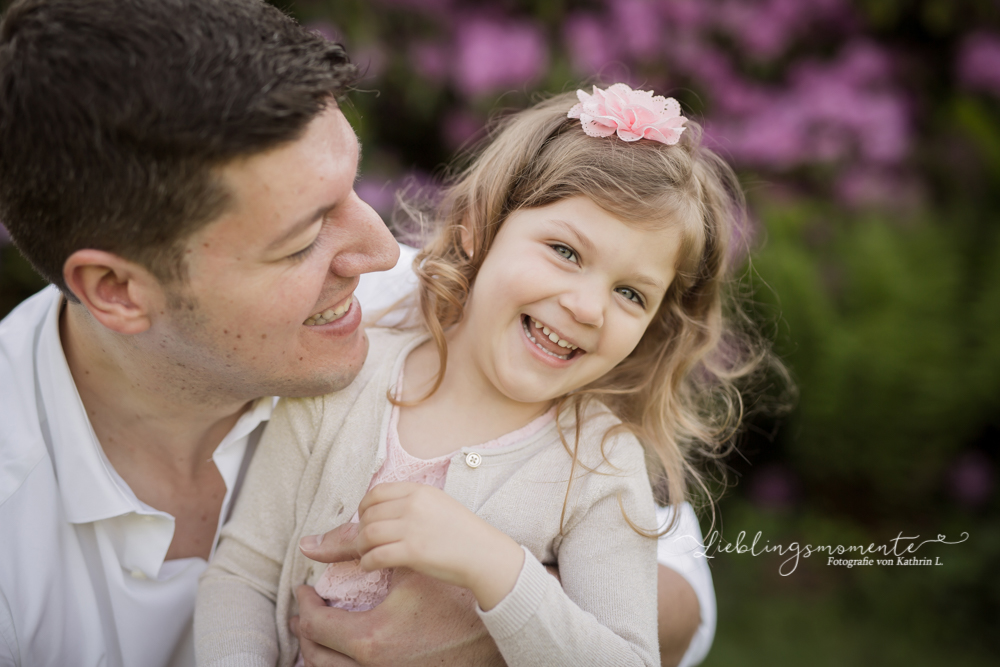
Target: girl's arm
{"x":605,"y":613}
{"x":234,"y":620}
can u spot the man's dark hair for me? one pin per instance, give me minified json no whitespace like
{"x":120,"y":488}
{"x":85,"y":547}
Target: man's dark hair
{"x":116,"y":114}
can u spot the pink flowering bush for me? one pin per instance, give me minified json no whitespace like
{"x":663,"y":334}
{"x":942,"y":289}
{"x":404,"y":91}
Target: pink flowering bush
{"x":978,"y":62}
{"x":491,"y":55}
{"x":867,"y":133}
{"x":783,"y":87}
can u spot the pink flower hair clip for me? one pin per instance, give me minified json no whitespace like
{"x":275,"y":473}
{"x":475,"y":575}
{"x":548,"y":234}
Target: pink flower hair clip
{"x":633,"y":114}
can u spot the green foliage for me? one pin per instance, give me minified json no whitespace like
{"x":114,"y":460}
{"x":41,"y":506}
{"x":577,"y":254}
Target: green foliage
{"x":905,"y":616}
{"x":887,"y":337}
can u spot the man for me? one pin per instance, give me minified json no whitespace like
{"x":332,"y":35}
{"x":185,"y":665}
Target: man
{"x":180,"y":171}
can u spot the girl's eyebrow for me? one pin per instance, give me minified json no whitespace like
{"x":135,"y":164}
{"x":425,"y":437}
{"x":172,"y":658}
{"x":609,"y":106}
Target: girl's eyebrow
{"x":648,"y":281}
{"x":580,"y":237}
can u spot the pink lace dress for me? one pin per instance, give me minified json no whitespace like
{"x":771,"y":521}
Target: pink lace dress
{"x":346,"y":585}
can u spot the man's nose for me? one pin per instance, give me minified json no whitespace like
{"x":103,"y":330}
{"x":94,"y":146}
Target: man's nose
{"x":370,"y":245}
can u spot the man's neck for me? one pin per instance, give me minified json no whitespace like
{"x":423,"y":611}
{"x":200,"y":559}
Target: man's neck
{"x":156,"y":435}
{"x":136,"y":403}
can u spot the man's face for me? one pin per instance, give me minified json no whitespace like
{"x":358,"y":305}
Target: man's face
{"x":268,"y":308}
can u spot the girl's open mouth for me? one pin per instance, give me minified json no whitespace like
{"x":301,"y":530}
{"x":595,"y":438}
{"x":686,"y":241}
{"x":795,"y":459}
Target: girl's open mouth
{"x":548,"y":341}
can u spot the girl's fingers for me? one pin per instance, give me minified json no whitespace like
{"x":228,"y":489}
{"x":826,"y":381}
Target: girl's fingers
{"x":394,"y":554}
{"x":385,"y":492}
{"x":395,"y":508}
{"x":373,"y":535}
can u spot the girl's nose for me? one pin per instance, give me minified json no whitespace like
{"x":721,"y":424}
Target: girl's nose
{"x":586,"y":303}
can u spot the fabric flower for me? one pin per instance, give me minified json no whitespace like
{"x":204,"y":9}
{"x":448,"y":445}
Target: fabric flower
{"x":633,"y":114}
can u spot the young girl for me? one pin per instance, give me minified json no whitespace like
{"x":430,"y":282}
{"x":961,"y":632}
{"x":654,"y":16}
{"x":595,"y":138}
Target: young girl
{"x":573,"y":334}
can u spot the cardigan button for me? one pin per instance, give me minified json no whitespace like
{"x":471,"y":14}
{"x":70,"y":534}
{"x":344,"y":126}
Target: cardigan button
{"x":472,"y":459}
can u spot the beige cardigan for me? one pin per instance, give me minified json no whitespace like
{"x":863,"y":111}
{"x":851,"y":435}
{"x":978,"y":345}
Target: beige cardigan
{"x":313,"y":466}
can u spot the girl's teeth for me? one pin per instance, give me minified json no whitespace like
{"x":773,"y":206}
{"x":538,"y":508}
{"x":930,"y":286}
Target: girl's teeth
{"x":554,"y":337}
{"x":329,"y":315}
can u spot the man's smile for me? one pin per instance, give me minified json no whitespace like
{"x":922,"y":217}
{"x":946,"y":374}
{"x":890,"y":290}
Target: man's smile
{"x":330,"y":314}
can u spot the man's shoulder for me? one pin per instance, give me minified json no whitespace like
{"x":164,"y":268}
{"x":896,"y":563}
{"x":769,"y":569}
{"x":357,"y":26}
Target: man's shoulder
{"x":21,"y":326}
{"x":22,"y":444}
{"x":21,"y":451}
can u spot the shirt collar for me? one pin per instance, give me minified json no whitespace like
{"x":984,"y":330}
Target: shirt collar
{"x":91,"y":489}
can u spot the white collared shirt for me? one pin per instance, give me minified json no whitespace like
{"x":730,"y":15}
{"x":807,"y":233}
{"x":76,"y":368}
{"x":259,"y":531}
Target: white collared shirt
{"x":78,"y":547}
{"x":68,"y":520}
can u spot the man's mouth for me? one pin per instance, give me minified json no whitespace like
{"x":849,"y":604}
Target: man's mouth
{"x":330,"y":314}
{"x":548,"y":341}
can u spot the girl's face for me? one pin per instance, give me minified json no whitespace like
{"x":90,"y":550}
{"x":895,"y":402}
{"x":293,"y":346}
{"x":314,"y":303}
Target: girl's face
{"x":564,"y":294}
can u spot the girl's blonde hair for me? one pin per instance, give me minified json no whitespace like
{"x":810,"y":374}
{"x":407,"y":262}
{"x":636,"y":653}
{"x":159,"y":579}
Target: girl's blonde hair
{"x":677,"y":391}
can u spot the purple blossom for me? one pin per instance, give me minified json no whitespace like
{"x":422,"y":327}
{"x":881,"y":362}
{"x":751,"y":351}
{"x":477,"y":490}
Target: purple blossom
{"x":686,"y":16}
{"x":378,"y":192}
{"x":828,"y":112}
{"x":426,"y":6}
{"x":590,"y":44}
{"x":774,"y":487}
{"x":492,"y":55}
{"x":870,"y":185}
{"x":979,"y":62}
{"x":766,"y":28}
{"x":460,"y":127}
{"x":972,"y":480}
{"x":431,"y":60}
{"x":638,"y":24}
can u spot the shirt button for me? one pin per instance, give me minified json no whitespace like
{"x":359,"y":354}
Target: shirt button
{"x":138,"y":574}
{"x":472,"y":459}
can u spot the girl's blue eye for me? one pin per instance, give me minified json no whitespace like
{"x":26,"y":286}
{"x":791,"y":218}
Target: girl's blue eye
{"x":631,"y":295}
{"x":565,"y":252}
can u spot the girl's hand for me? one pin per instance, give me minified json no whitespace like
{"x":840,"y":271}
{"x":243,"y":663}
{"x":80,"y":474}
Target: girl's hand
{"x":423,"y":528}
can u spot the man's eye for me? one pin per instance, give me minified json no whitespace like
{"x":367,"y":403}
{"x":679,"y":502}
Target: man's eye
{"x":302,"y":254}
{"x":632,"y":295}
{"x":565,"y":252}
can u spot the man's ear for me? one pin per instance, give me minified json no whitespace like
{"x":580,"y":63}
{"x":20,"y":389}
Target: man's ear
{"x":119,"y":294}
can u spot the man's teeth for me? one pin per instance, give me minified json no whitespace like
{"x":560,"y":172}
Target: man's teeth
{"x":329,"y":315}
{"x":552,"y":336}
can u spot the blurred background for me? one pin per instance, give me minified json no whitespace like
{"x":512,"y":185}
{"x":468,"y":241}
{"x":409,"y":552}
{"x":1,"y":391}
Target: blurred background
{"x":867,"y":136}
